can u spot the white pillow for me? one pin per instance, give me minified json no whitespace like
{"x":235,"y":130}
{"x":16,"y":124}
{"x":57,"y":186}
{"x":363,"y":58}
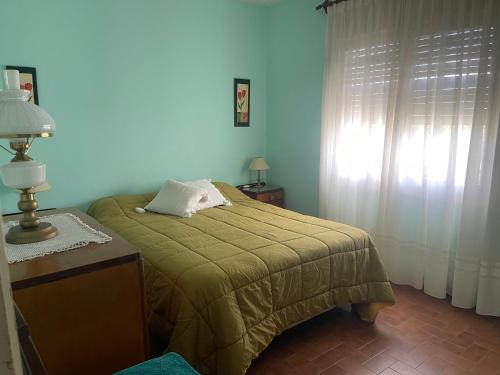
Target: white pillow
{"x":176,"y":198}
{"x":215,"y":198}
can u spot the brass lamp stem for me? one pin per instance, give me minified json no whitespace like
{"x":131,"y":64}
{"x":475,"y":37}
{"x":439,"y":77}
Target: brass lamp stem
{"x":28,"y":205}
{"x":30,"y":228}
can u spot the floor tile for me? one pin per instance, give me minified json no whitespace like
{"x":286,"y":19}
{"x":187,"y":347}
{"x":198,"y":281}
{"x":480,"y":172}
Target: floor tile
{"x":419,"y":335}
{"x":379,"y":363}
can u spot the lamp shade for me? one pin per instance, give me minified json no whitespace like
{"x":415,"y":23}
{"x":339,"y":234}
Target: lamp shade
{"x":258,"y":164}
{"x":18,"y":117}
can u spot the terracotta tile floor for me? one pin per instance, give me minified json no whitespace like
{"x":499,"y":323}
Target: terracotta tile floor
{"x":419,"y":335}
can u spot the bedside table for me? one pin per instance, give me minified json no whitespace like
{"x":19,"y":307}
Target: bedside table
{"x":85,"y":308}
{"x":267,"y":194}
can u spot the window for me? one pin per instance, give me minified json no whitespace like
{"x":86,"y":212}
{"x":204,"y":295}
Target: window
{"x":434,"y":115}
{"x":444,"y":87}
{"x":369,"y":74}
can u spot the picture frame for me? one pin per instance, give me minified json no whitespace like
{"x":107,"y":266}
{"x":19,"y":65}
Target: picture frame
{"x":241,"y":102}
{"x":27,"y":77}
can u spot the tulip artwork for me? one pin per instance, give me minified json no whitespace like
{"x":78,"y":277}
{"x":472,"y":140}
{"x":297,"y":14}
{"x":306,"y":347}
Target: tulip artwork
{"x":27,"y":78}
{"x":29,"y":87}
{"x":241,"y":102}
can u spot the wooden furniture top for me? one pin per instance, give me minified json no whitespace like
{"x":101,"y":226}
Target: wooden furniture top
{"x":71,"y":262}
{"x":262,"y":189}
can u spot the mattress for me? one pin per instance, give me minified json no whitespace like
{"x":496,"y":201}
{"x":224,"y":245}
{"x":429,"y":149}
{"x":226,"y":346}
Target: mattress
{"x":222,"y":284}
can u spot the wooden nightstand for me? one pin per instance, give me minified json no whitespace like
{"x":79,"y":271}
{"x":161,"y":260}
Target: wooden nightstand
{"x":85,"y":308}
{"x":267,"y":194}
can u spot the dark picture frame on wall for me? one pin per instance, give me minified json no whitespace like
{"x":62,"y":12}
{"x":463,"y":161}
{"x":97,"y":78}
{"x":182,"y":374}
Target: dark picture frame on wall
{"x":241,"y":102}
{"x":27,"y":76}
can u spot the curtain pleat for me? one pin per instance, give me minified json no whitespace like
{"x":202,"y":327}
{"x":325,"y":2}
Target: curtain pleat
{"x":411,"y":108}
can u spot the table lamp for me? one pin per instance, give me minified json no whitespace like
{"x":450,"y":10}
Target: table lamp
{"x":21,"y":122}
{"x":258,"y":164}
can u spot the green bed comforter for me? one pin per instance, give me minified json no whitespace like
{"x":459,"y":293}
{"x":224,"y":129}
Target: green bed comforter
{"x":222,"y":284}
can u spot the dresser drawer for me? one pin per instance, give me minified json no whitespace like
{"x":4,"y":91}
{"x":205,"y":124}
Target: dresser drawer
{"x":270,"y":196}
{"x":85,"y":308}
{"x":277,"y":203}
{"x":91,"y":323}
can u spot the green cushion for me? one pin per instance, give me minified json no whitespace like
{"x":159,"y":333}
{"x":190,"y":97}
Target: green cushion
{"x":168,"y":364}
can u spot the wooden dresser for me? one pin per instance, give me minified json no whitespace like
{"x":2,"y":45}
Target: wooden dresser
{"x":267,"y":194}
{"x":85,"y":308}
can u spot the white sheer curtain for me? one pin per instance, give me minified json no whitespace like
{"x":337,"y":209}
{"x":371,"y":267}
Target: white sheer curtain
{"x":410,"y":117}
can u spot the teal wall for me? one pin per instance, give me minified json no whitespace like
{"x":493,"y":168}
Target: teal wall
{"x":144,"y":93}
{"x":294,"y":92}
{"x":140,"y":91}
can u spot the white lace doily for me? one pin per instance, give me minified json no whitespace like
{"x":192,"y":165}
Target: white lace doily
{"x":73,"y":233}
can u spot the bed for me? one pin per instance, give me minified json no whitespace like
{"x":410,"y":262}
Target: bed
{"x":222,"y":284}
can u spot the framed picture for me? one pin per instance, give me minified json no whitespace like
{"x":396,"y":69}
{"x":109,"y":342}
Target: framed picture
{"x":241,"y":102}
{"x":27,"y":76}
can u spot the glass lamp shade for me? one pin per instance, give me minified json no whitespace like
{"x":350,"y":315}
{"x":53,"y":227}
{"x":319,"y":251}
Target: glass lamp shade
{"x":18,"y":117}
{"x":258,"y":164}
{"x":23,"y":174}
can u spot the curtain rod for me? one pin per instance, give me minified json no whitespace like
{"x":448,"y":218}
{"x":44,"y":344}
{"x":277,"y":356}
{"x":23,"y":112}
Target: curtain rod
{"x":328,"y":3}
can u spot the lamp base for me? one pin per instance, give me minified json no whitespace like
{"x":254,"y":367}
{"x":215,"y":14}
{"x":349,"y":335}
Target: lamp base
{"x":18,"y":235}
